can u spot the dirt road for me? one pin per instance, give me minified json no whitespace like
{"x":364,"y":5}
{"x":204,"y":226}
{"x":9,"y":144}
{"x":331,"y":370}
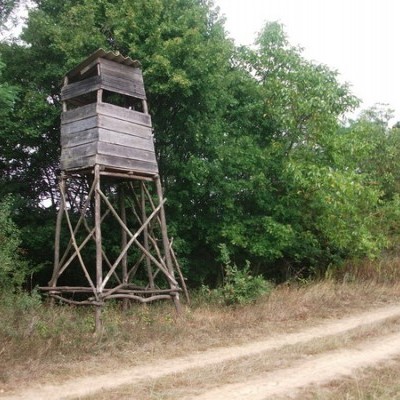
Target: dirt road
{"x":317,"y":369}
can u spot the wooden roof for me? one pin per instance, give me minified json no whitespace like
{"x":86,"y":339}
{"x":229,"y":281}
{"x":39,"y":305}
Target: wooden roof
{"x":109,"y":55}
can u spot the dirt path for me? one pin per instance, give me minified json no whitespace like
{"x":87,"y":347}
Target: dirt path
{"x":329,"y":365}
{"x":319,"y":370}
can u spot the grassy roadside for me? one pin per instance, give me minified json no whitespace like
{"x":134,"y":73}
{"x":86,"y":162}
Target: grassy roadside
{"x":197,"y":381}
{"x":43,"y":344}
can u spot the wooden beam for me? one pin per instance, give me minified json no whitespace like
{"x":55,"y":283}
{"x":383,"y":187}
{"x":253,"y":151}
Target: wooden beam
{"x":146,"y":236}
{"x":178,"y":269}
{"x":75,"y":245}
{"x":99,"y":254}
{"x":53,"y":280}
{"x":138,"y":298}
{"x":82,"y":216}
{"x":132,"y":237}
{"x":165,"y":240}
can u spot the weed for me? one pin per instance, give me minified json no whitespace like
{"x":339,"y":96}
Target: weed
{"x":239,"y":285}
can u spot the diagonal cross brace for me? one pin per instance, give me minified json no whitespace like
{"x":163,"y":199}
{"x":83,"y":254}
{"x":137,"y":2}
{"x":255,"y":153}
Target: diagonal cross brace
{"x":133,"y":237}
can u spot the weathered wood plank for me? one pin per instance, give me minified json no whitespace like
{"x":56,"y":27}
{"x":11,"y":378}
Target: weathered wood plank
{"x":80,"y":125}
{"x":77,"y":138}
{"x":77,"y":163}
{"x":124,"y":86}
{"x":127,"y":164}
{"x":137,"y":166}
{"x":123,"y":139}
{"x":124,"y":81}
{"x":124,"y":114}
{"x":118,"y":125}
{"x":104,"y":135}
{"x":130,"y":73}
{"x":126,"y":152}
{"x":106,"y":109}
{"x":121,"y":71}
{"x":83,"y":112}
{"x":84,"y":150}
{"x":79,"y":88}
{"x":109,"y":155}
{"x":118,"y":68}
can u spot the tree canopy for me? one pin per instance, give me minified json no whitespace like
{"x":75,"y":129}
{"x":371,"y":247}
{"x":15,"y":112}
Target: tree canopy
{"x":251,"y":142}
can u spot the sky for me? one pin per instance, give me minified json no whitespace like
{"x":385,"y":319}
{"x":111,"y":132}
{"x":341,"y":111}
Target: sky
{"x":358,"y":38}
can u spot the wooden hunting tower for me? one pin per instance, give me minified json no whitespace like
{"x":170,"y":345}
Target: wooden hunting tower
{"x":110,"y":187}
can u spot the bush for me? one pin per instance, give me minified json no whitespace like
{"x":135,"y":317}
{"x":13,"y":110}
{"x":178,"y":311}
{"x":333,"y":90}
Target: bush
{"x":239,"y":285}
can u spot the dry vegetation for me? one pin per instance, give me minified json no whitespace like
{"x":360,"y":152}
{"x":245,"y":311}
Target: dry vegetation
{"x":380,"y":383}
{"x":43,"y":344}
{"x":199,"y":380}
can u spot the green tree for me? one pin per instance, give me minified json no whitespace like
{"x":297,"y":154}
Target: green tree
{"x":186,"y":59}
{"x":13,"y":269}
{"x":7,"y":94}
{"x":372,"y":149}
{"x":251,"y":148}
{"x":291,"y":202}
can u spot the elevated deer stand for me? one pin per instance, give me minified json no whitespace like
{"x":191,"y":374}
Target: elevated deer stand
{"x":109,"y":177}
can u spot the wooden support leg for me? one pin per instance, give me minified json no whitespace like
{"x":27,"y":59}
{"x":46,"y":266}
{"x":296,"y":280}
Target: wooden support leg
{"x":99,"y":256}
{"x":56,"y":269}
{"x":152,"y":253}
{"x":146,"y":236}
{"x":165,"y":240}
{"x":124,"y":241}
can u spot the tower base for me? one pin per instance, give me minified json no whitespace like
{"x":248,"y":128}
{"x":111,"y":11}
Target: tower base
{"x":111,"y":241}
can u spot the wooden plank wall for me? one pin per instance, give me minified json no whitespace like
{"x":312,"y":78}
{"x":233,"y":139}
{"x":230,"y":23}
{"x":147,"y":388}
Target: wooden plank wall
{"x":79,"y":88}
{"x":108,"y":135}
{"x":114,"y":77}
{"x":121,"y":79}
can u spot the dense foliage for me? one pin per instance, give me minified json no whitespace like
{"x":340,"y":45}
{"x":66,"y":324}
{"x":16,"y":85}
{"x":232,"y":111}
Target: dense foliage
{"x":13,"y":269}
{"x":251,"y":143}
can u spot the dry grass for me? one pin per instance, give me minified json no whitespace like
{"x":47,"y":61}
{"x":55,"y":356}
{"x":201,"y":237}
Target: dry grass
{"x":385,"y":270}
{"x":200,"y":380}
{"x":379,"y":383}
{"x":43,"y":344}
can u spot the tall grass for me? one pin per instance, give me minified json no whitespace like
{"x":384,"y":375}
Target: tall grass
{"x":385,"y":270}
{"x":38,"y":340}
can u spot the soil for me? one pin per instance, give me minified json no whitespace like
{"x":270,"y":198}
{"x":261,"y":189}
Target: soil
{"x":318,"y":369}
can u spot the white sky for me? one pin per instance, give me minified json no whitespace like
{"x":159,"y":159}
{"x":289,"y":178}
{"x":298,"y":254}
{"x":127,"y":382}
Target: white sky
{"x":358,"y":38}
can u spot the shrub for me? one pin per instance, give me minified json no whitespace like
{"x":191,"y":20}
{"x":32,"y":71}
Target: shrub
{"x":239,"y":285}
